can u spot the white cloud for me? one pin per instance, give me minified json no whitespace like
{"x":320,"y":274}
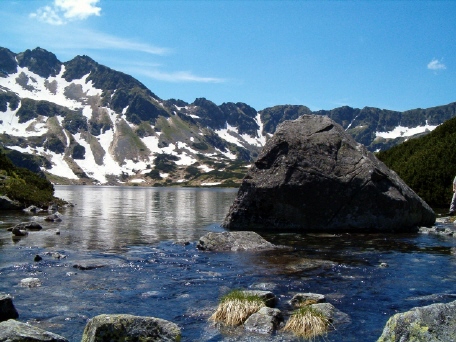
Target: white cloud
{"x":435,"y":65}
{"x":63,"y":10}
{"x":179,"y":76}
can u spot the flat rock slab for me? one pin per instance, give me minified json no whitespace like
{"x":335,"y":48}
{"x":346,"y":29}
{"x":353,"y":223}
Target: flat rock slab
{"x":14,"y":331}
{"x":105,"y":328}
{"x":432,"y":323}
{"x":234,"y":241}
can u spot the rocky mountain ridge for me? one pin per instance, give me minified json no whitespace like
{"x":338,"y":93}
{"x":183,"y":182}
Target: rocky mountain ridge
{"x":95,"y":125}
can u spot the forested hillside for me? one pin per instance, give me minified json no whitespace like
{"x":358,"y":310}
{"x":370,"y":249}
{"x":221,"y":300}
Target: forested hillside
{"x":427,"y":164}
{"x":23,"y":185}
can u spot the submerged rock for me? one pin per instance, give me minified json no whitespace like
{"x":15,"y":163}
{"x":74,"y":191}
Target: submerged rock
{"x":53,"y":218}
{"x":432,"y":323}
{"x":7,"y":309}
{"x":313,"y":176}
{"x":35,"y":226}
{"x":14,"y":331}
{"x":130,"y":328}
{"x":233,"y":241}
{"x":17,"y":231}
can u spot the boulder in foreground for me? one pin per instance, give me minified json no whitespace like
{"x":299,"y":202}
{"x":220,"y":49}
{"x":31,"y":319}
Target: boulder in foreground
{"x":130,"y":328}
{"x":14,"y":331}
{"x":313,"y":176}
{"x":432,"y":323}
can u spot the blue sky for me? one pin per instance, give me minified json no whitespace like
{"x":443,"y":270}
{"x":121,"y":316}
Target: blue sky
{"x":395,"y":55}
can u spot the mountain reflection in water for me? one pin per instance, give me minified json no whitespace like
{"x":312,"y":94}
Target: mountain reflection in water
{"x":143,"y":242}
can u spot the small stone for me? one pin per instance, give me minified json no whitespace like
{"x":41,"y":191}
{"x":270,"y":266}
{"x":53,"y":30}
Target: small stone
{"x":30,"y":282}
{"x":265,"y":321}
{"x":308,"y":298}
{"x":37,"y":258}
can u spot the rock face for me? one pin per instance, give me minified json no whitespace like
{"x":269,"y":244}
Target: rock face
{"x":312,"y":176}
{"x":7,"y":309}
{"x":432,"y":323}
{"x":14,"y":331}
{"x":233,"y":241}
{"x":130,"y":328}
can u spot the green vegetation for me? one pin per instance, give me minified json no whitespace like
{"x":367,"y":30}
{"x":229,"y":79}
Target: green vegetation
{"x":74,"y":121}
{"x":427,"y":164}
{"x":306,"y":322}
{"x":165,"y":162}
{"x":30,"y":109}
{"x":23,"y":185}
{"x":236,"y":306}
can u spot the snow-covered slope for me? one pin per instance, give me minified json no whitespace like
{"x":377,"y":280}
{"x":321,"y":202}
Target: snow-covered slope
{"x":97,"y":125}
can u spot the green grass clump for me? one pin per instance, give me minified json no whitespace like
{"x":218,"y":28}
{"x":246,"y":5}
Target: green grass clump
{"x":307,"y":322}
{"x":236,"y":306}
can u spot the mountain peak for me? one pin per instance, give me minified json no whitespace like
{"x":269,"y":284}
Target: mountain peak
{"x":40,"y":62}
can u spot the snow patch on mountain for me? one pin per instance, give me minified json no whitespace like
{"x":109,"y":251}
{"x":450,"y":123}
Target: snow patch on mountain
{"x":401,"y":131}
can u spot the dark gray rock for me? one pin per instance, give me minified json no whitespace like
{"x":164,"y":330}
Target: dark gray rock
{"x":432,"y":323}
{"x":265,"y":321}
{"x":312,"y":176}
{"x":8,"y":204}
{"x":17,"y":231}
{"x":130,"y":328}
{"x":14,"y":331}
{"x":233,"y":241}
{"x":53,"y":218}
{"x":28,"y":226}
{"x":7,"y":309}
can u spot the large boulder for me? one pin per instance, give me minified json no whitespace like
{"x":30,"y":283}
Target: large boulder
{"x":14,"y":331}
{"x":313,"y":176}
{"x":432,"y":323}
{"x":130,"y":328}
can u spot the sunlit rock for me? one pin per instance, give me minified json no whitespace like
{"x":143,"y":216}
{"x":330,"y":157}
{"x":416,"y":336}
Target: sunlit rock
{"x":12,"y":330}
{"x":130,"y":328}
{"x":233,"y":241}
{"x":265,"y":321}
{"x":432,"y":323}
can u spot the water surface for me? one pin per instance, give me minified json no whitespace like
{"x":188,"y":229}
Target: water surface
{"x":142,"y":243}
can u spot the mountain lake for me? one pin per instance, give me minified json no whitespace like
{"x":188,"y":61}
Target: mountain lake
{"x":140,"y":246}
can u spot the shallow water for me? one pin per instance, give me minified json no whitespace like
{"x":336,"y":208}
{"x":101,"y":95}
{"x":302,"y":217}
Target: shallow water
{"x":142,"y":245}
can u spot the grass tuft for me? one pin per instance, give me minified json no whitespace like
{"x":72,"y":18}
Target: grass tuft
{"x":307,"y":322}
{"x":236,"y":306}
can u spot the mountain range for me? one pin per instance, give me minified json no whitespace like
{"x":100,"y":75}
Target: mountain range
{"x":82,"y":122}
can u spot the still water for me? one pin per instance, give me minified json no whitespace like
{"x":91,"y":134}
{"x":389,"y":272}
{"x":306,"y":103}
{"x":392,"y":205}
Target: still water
{"x":141,"y":243}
